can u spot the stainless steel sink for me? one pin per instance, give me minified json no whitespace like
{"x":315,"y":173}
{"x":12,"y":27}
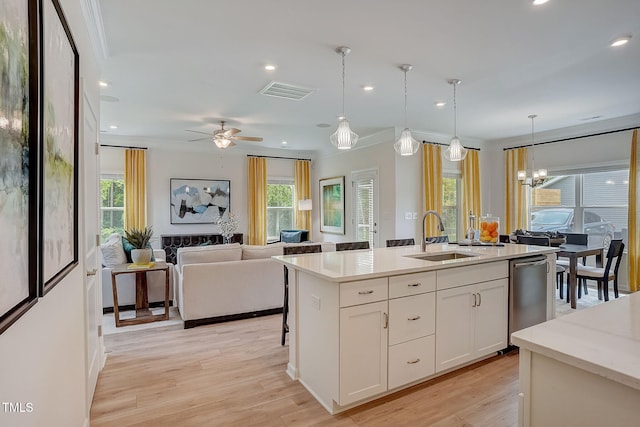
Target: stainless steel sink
{"x":442,"y":256}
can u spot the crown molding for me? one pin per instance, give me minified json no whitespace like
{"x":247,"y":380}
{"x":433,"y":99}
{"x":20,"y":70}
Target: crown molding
{"x":93,"y":17}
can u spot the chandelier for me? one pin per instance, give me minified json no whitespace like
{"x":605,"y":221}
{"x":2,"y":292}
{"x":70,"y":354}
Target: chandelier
{"x":537,"y":177}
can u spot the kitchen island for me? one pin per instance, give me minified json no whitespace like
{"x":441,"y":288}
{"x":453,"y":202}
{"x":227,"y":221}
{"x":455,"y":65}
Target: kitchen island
{"x":582,"y":369}
{"x":366,"y":323}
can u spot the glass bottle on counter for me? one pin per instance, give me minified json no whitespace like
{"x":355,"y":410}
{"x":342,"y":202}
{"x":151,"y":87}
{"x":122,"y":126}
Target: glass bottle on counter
{"x":489,"y":229}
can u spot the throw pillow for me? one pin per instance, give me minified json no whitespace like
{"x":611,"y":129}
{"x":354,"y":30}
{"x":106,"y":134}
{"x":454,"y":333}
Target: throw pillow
{"x":112,"y":251}
{"x":291,"y":236}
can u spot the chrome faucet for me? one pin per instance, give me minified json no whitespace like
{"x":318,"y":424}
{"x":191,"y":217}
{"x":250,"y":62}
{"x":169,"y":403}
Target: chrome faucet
{"x":423,"y":243}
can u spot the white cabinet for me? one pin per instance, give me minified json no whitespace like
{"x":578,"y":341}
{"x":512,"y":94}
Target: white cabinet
{"x":363,"y":351}
{"x":471,"y":322}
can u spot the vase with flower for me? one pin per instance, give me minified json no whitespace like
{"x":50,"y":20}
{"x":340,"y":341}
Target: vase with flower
{"x":227,"y":226}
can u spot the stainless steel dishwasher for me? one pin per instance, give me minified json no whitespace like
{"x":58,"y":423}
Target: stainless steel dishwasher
{"x":527,"y":292}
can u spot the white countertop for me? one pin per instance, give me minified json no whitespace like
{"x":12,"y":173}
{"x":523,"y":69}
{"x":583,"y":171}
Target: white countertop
{"x":364,"y":264}
{"x":603,"y":340}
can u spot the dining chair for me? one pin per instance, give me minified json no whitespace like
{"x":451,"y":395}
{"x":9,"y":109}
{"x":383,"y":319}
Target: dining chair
{"x":400,"y":242}
{"x":437,"y":239}
{"x":603,"y":275}
{"x":575,"y":239}
{"x":350,"y":246}
{"x":292,"y":250}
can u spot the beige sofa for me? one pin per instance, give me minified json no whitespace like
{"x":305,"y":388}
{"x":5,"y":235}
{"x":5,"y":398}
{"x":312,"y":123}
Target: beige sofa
{"x":226,"y":282}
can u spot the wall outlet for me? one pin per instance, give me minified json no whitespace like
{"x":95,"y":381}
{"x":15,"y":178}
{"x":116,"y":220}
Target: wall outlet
{"x":315,"y":302}
{"x":407,"y":215}
{"x":415,"y":215}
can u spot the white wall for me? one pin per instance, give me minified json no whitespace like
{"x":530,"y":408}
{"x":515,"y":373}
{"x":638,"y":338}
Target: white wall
{"x":42,"y":355}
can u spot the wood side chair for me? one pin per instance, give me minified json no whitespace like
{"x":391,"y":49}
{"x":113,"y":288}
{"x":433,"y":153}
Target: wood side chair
{"x":400,"y":242}
{"x":351,"y":246}
{"x":603,"y":275}
{"x":292,"y":250}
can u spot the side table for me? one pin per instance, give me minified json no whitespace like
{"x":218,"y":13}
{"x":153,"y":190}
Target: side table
{"x":143,"y":314}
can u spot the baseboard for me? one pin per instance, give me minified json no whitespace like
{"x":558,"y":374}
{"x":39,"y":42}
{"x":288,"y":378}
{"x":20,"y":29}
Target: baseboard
{"x":156,"y":304}
{"x":188,"y":324}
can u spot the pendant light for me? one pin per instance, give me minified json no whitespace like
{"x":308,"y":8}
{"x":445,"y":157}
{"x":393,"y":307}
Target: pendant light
{"x":455,"y":151}
{"x":538,"y":177}
{"x":406,"y":145}
{"x":343,"y":138}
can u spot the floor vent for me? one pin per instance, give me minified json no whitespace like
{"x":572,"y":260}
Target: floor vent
{"x":287,"y":91}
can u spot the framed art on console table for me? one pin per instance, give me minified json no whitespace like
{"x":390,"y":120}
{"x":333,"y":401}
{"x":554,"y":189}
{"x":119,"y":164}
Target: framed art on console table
{"x":18,"y":159}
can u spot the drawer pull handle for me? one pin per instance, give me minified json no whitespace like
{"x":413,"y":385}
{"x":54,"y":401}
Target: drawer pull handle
{"x":365,"y":292}
{"x":414,"y":285}
{"x":386,"y":320}
{"x":414,"y":318}
{"x":413,"y":362}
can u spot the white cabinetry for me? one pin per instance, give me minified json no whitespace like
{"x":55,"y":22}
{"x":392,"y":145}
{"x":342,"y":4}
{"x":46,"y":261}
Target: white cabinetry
{"x":471,"y":319}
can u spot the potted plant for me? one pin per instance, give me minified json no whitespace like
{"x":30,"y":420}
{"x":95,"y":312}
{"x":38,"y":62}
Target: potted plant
{"x":140,"y":240}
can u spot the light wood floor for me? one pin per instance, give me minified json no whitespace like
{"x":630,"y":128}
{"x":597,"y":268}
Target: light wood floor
{"x":233,"y":374}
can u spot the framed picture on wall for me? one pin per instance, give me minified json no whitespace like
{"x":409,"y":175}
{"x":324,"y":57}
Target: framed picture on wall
{"x":19,"y":164}
{"x":199,"y":201}
{"x":59,"y":147}
{"x":332,"y":205}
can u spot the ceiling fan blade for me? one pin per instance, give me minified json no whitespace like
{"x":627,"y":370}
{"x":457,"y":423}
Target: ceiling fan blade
{"x":230,"y":132}
{"x":197,"y":131}
{"x":199,"y":139}
{"x":247,"y":138}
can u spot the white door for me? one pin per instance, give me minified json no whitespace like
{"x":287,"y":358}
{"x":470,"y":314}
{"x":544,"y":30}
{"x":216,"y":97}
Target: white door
{"x":365,"y":206}
{"x":91,"y":191}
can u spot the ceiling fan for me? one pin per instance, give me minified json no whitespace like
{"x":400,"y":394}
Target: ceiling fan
{"x":224,"y":138}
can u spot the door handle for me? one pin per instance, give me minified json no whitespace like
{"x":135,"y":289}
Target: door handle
{"x":479,"y":299}
{"x":475,"y":300}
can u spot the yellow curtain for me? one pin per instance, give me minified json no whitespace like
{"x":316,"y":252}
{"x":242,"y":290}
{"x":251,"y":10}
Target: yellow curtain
{"x":257,"y":200}
{"x":135,"y":189}
{"x":516,"y":197}
{"x":432,"y":169}
{"x":471,"y":185}
{"x":302,"y":181}
{"x":633,"y":251}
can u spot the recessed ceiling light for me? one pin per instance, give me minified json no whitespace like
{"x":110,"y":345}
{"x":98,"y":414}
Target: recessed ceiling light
{"x":323,"y":125}
{"x":368,"y":88}
{"x":620,"y":41}
{"x":102,"y":83}
{"x":439,"y":104}
{"x":539,"y":2}
{"x":113,"y":127}
{"x":269,"y":67}
{"x":284,"y":142}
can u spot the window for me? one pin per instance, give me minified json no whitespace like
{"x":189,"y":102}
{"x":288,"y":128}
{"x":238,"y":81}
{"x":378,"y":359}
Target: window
{"x":280,"y":196}
{"x":112,"y":205}
{"x":595,"y":203}
{"x":450,"y":201}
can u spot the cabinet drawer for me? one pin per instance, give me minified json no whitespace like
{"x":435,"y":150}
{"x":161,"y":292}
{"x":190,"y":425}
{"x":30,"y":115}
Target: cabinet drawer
{"x":460,"y":276}
{"x":412,"y":317}
{"x":411,"y":361}
{"x":412,"y":284}
{"x":363,"y":291}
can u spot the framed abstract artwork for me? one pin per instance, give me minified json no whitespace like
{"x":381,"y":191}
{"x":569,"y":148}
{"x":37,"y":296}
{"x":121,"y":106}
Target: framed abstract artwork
{"x":18,"y":158}
{"x":59,"y":147}
{"x":332,"y":205}
{"x":199,"y":201}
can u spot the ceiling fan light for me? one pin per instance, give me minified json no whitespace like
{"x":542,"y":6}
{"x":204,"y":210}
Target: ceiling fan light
{"x":455,"y":152}
{"x":344,"y":138}
{"x":406,"y":145}
{"x":222,"y":142}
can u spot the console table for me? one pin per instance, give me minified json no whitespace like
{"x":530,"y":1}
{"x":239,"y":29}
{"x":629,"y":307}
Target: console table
{"x":143,"y":314}
{"x":171,"y":242}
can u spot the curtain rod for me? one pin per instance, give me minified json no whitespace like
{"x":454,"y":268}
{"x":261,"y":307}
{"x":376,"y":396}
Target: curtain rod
{"x":123,"y":146}
{"x":570,"y":138}
{"x":276,"y":157}
{"x":446,"y":145}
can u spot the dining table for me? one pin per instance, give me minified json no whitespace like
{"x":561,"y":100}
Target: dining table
{"x":573,"y":252}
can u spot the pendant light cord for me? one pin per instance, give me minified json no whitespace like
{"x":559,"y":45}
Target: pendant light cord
{"x":405,"y":99}
{"x":343,"y":115}
{"x":533,"y":147}
{"x":455,"y":113}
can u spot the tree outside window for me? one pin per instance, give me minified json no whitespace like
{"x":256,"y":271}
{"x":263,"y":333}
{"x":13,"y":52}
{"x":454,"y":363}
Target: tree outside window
{"x":280,"y":196}
{"x":450,"y":200}
{"x":112,"y":205}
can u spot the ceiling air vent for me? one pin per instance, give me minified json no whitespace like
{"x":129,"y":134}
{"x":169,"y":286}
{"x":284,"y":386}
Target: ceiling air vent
{"x":287,"y":91}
